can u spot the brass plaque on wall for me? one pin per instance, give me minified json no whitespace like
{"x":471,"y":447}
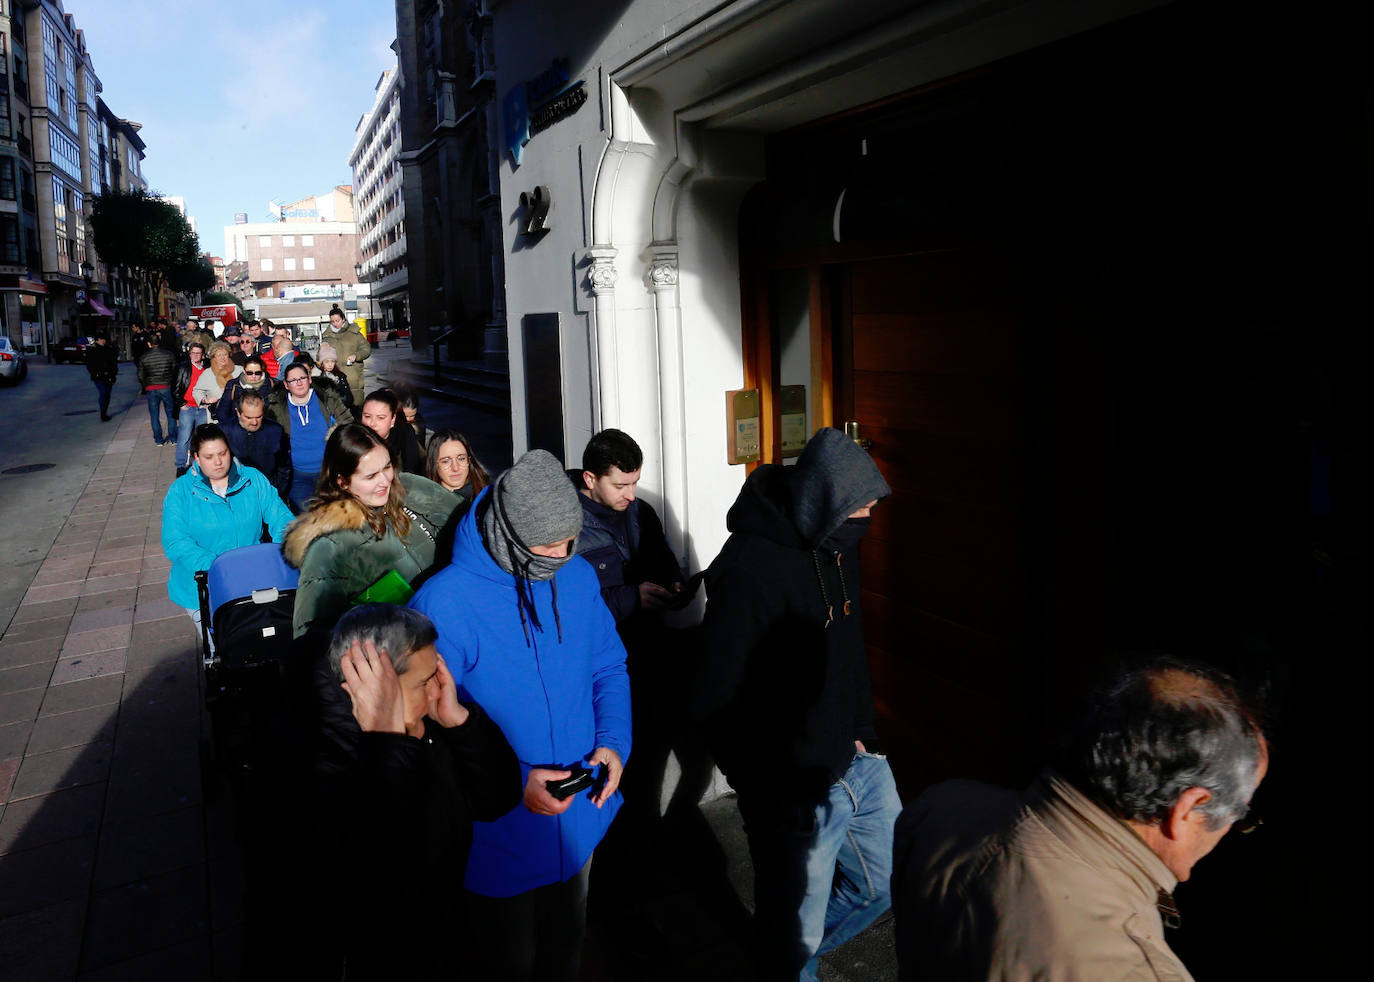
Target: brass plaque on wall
{"x":744,"y":429}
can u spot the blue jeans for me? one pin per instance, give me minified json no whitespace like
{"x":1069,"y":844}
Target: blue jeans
{"x":302,"y":490}
{"x":821,"y":872}
{"x":186,"y":428}
{"x":161,"y":397}
{"x":102,"y":393}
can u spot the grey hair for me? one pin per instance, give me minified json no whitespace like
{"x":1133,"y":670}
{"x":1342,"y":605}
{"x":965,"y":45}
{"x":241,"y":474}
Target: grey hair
{"x":1151,"y":734}
{"x":399,"y":631}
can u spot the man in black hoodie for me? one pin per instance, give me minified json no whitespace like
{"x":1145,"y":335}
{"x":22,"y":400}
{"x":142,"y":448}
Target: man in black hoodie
{"x":782,"y":692}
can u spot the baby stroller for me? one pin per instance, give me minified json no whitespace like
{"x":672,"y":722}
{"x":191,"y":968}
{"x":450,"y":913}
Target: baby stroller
{"x":246,"y":602}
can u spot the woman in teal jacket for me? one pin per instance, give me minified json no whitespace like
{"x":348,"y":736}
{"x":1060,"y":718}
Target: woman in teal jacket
{"x":217,"y":505}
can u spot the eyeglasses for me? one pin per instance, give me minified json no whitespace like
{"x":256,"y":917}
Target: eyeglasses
{"x":300,"y":380}
{"x":254,"y":373}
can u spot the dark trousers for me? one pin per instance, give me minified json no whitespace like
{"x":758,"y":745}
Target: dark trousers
{"x":102,"y":389}
{"x":163,"y":398}
{"x":533,"y":935}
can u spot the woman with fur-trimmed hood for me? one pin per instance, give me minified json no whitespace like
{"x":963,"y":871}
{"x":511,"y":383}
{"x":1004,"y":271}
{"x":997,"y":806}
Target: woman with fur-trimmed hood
{"x":365,"y":521}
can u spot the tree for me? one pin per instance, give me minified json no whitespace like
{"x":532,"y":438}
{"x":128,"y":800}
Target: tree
{"x":139,"y":230}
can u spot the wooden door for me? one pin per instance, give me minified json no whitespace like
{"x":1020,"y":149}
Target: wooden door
{"x":933,"y":363}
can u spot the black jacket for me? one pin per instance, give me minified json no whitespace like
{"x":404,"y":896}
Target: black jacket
{"x":395,"y":826}
{"x":782,"y":689}
{"x":102,"y":362}
{"x":268,"y":449}
{"x":626,"y":548}
{"x":139,"y":345}
{"x":157,"y":367}
{"x":339,"y":383}
{"x":405,"y":449}
{"x":225,"y":409}
{"x":182,"y":383}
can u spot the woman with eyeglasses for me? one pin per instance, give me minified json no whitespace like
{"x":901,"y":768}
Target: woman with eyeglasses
{"x":452,"y":465}
{"x":253,"y":379}
{"x":307,"y":416}
{"x":210,"y":385}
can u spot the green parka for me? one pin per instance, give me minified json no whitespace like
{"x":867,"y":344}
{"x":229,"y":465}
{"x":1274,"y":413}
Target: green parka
{"x":332,"y":405}
{"x":339,"y":556}
{"x":347,"y":342}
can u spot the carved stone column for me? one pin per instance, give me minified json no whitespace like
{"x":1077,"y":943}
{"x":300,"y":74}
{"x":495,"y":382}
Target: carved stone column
{"x":601,"y":280}
{"x":663,"y":277}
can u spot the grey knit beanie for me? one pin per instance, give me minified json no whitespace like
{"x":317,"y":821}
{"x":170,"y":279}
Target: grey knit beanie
{"x":532,"y":504}
{"x":328,"y":351}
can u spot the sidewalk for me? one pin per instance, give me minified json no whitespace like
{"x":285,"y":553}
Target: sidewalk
{"x":110,"y":867}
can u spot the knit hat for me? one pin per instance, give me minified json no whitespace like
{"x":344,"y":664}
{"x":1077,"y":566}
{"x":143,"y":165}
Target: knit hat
{"x":327,"y":351}
{"x":533,"y":503}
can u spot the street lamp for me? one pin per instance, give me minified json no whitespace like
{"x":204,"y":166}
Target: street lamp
{"x":357,"y":272}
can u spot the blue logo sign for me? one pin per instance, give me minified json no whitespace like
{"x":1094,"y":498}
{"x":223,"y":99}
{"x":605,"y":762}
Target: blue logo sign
{"x":517,"y":122}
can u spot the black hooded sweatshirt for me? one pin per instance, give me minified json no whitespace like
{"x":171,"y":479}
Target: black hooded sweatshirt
{"x":782,"y":687}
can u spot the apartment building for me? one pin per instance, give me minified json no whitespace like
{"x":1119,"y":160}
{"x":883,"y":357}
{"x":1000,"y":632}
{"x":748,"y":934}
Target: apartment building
{"x":379,"y":204}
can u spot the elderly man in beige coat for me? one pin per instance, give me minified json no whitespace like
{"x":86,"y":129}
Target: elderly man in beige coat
{"x":1072,"y":880}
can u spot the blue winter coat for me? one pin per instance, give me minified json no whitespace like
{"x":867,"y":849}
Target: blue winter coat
{"x":555,"y":701}
{"x":198,"y":525}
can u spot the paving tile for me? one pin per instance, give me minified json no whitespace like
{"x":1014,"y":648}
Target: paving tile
{"x":49,"y":627}
{"x":47,"y":818}
{"x":110,"y":598}
{"x":46,"y":875}
{"x":143,"y":739}
{"x":116,"y":567}
{"x":156,"y":609}
{"x":20,"y":706}
{"x":178,"y":629}
{"x":153,"y":785}
{"x":28,"y":613}
{"x":60,"y":574}
{"x":94,"y":725}
{"x":75,"y":535}
{"x":70,"y":767}
{"x":43,"y":943}
{"x":28,"y":677}
{"x":93,"y":620}
{"x":110,"y":545}
{"x":153,"y":844}
{"x":9,"y":770}
{"x":14,"y":737}
{"x":17,"y":655}
{"x":73,"y":550}
{"x":101,"y":584}
{"x":55,"y":591}
{"x":81,"y":695}
{"x":189,"y":961}
{"x":101,"y":639}
{"x":123,"y":554}
{"x":89,"y":666}
{"x":144,"y":916}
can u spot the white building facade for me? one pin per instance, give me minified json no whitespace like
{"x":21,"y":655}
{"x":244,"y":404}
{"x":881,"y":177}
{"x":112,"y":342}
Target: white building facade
{"x":379,"y":204}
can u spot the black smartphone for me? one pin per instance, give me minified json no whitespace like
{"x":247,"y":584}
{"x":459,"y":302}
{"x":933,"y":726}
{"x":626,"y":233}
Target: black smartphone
{"x":579,"y":780}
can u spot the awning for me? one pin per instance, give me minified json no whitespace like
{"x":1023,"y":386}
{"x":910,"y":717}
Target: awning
{"x":99,"y":308}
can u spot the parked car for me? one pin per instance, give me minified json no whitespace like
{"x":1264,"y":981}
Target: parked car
{"x":13,"y":366}
{"x":71,"y":349}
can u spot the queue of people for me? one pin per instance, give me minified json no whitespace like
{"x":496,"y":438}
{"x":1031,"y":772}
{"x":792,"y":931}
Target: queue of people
{"x":469,"y":634}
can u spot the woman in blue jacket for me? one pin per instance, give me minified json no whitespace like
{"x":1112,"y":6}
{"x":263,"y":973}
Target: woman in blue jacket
{"x":215,"y":506}
{"x":524,"y":631}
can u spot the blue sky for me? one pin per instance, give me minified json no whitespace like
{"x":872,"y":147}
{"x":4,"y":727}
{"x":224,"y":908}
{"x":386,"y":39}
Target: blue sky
{"x":240,"y":103}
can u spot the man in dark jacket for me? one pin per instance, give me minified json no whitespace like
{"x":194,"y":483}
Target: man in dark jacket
{"x":782,"y":691}
{"x":139,"y":342}
{"x":157,"y":370}
{"x":104,"y":369}
{"x":259,"y":441}
{"x":621,"y":535}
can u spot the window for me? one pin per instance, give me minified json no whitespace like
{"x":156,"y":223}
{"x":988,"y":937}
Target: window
{"x":7,"y":190}
{"x":308,"y":262}
{"x":288,"y":240}
{"x":65,"y":152}
{"x":9,"y":240}
{"x":265,"y":241}
{"x":288,"y":263}
{"x":4,"y":113}
{"x":307,"y":240}
{"x":267,"y":265}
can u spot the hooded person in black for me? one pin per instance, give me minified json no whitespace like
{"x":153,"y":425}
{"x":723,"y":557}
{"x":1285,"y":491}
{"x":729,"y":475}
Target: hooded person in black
{"x":783,"y":695}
